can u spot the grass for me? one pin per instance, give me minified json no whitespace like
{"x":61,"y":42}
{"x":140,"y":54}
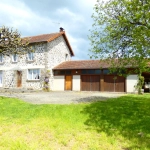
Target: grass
{"x":116,"y":124}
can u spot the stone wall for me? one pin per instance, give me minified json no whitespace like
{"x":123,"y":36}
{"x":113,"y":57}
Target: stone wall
{"x":9,"y":68}
{"x":57,"y":52}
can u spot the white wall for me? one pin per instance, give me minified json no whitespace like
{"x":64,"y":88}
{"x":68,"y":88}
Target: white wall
{"x":58,"y":83}
{"x":131,"y":81}
{"x":1,"y":78}
{"x":76,"y":83}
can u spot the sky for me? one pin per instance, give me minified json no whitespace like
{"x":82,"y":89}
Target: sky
{"x":35,"y":17}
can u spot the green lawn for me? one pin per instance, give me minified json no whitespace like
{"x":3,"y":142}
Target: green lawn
{"x":116,"y":124}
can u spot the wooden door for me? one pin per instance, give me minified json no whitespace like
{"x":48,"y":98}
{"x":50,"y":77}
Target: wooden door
{"x":19,"y":78}
{"x":68,"y":83}
{"x":114,"y":83}
{"x":90,"y":83}
{"x":109,"y":83}
{"x":95,"y":83}
{"x":85,"y":83}
{"x":120,"y":84}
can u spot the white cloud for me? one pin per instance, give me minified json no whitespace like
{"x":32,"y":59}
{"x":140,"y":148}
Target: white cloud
{"x":22,"y":17}
{"x":66,"y":13}
{"x":28,"y":21}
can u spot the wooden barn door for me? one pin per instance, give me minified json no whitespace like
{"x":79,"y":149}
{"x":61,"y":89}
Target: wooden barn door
{"x":114,"y":83}
{"x":95,"y":83}
{"x":85,"y":83}
{"x":120,"y":84}
{"x":68,"y":82}
{"x":19,"y":78}
{"x":90,"y":83}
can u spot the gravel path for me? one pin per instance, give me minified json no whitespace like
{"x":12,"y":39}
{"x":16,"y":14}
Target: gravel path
{"x":65,"y":97}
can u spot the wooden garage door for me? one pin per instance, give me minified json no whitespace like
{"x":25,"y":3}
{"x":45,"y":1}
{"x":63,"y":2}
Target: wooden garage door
{"x":90,"y":83}
{"x":114,"y":83}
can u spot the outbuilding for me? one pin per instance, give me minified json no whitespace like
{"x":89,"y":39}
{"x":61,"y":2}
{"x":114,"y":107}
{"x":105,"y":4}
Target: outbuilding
{"x":91,"y":75}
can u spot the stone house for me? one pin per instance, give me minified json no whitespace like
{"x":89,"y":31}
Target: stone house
{"x":26,"y":71}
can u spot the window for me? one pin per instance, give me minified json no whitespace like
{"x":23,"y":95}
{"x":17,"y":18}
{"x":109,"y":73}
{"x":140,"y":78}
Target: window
{"x":14,"y":58}
{"x":105,"y":71}
{"x":83,"y":71}
{"x":90,"y":71}
{"x":62,"y":72}
{"x":68,"y":72}
{"x":30,"y":56}
{"x":66,"y":57}
{"x":33,"y":74}
{"x":98,"y":71}
{"x":1,"y":58}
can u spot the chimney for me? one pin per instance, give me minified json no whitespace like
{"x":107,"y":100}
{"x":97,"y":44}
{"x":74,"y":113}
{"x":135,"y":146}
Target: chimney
{"x":61,"y":29}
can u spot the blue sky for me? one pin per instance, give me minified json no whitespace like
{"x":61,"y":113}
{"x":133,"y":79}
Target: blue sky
{"x":35,"y":17}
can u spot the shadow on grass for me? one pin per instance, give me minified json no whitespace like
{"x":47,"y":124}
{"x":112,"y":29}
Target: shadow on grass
{"x":90,"y":99}
{"x":128,"y":116}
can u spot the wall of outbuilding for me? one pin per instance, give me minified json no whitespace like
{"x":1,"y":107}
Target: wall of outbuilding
{"x":131,"y":82}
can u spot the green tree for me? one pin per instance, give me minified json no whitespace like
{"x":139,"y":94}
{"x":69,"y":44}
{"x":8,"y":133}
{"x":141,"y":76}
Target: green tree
{"x":11,"y":42}
{"x":121,"y":34}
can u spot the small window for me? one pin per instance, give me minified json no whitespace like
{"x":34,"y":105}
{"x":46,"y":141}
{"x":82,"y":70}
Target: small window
{"x":98,"y":71}
{"x":62,"y":72}
{"x":1,"y":58}
{"x":56,"y":72}
{"x":105,"y":71}
{"x":68,"y":72}
{"x":33,"y":74}
{"x":30,"y":56}
{"x":14,"y":58}
{"x":90,"y":71}
{"x":84,"y":71}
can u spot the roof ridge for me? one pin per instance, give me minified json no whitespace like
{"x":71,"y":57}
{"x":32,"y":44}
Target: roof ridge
{"x":48,"y":38}
{"x":41,"y":35}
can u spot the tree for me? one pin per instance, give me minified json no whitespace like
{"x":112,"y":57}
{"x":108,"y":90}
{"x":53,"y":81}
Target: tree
{"x":11,"y":42}
{"x":121,"y":34}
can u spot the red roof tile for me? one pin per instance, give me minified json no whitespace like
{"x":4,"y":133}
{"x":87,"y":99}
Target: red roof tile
{"x":82,"y":64}
{"x":49,"y":38}
{"x":85,"y":64}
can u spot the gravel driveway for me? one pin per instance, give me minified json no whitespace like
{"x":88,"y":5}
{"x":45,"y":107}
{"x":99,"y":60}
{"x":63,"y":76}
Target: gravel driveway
{"x":65,"y":97}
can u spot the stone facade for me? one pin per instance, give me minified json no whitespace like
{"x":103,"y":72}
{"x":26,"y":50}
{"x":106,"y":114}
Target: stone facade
{"x":46,"y":56}
{"x":57,"y":52}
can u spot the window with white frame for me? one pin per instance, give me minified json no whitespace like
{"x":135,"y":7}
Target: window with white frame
{"x":14,"y":58}
{"x":1,"y":58}
{"x":33,"y":74}
{"x":30,"y":56}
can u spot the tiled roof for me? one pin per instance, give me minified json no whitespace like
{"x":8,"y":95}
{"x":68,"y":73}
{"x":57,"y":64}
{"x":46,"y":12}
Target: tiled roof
{"x":82,"y":64}
{"x":49,"y":38}
{"x":85,"y":64}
